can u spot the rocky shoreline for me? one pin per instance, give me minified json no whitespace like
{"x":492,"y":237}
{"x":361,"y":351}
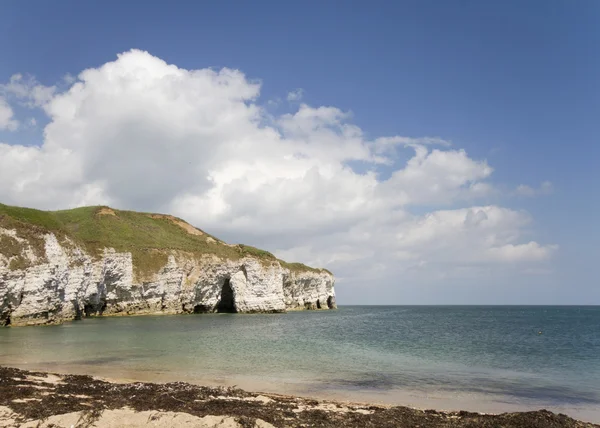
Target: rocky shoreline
{"x":34,"y":399}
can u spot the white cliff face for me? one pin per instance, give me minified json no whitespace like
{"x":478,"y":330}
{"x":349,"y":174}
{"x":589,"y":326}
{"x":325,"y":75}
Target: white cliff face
{"x":308,"y":290}
{"x":70,"y":284}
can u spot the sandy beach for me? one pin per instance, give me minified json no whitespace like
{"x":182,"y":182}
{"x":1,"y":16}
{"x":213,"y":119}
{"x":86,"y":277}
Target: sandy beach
{"x":39,"y":399}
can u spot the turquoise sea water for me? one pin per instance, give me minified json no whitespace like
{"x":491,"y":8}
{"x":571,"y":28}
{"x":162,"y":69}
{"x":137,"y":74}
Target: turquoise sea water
{"x":493,"y":358}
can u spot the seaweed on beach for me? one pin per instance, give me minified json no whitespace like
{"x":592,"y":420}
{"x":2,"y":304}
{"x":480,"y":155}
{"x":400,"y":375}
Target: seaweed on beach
{"x":36,"y":396}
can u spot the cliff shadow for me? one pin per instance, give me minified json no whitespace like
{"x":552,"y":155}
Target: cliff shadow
{"x":227,"y":301}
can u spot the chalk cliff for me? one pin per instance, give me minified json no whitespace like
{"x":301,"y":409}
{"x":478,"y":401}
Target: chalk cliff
{"x":58,"y":266}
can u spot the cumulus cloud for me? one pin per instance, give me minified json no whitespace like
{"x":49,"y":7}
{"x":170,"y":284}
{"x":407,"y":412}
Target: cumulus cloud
{"x":7,"y":122}
{"x":295,"y":95}
{"x":139,"y":133}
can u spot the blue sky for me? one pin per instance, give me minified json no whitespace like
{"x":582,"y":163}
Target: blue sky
{"x":514,"y":83}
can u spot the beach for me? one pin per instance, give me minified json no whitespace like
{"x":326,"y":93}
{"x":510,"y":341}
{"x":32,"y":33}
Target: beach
{"x":476,"y":359}
{"x":39,"y":399}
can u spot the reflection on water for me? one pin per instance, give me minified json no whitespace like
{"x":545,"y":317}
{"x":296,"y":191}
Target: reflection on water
{"x":475,"y":358}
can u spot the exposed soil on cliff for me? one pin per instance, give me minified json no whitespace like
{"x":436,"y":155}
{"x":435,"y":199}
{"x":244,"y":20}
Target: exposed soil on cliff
{"x":106,"y":211}
{"x":35,"y":399}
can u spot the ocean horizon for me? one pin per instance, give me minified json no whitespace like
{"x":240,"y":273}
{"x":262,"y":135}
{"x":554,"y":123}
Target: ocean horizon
{"x":486,"y":358}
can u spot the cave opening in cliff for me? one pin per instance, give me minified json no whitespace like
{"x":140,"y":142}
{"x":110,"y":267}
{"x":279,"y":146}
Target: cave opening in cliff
{"x":318,"y":304}
{"x":202,"y":309}
{"x":227,"y":302}
{"x":330,"y":302}
{"x":89,"y":310}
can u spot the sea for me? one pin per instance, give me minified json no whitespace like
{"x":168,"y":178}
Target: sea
{"x":478,"y":358}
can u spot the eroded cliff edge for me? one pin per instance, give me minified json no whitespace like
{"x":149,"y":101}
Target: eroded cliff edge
{"x":59,"y":266}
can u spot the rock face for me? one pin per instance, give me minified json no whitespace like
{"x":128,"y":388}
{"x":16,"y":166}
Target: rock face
{"x":69,"y":283}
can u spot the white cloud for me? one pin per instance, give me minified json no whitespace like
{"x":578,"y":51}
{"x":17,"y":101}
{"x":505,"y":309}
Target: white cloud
{"x":295,"y":95}
{"x":275,"y":102}
{"x":546,"y":188}
{"x":6,"y":116}
{"x":436,"y":244}
{"x":139,"y":133}
{"x":389,"y":144}
{"x":524,"y":190}
{"x":532,"y":251}
{"x":436,"y":176}
{"x":28,"y":90}
{"x":69,"y":79}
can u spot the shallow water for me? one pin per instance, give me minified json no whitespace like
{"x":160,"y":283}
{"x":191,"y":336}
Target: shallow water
{"x":447,"y":357}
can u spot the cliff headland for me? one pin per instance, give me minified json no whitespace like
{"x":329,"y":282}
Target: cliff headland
{"x":57,"y":266}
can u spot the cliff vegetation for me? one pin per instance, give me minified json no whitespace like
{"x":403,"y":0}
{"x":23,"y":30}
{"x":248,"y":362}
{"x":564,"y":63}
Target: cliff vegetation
{"x":148,"y":237}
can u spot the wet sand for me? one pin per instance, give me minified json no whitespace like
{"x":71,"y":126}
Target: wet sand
{"x":40,"y":399}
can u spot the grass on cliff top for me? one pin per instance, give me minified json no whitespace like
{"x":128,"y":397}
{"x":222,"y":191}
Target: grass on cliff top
{"x":147,"y":236}
{"x":301,"y":267}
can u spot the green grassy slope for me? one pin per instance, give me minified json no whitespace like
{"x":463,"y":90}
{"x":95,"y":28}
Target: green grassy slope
{"x":149,"y":237}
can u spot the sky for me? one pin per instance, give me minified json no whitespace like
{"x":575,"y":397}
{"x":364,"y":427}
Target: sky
{"x":425,"y":152}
